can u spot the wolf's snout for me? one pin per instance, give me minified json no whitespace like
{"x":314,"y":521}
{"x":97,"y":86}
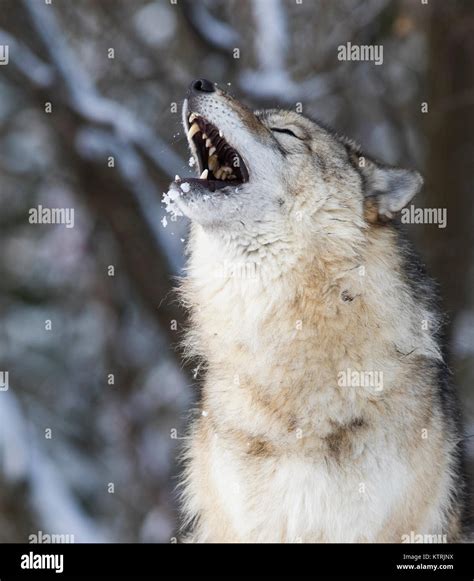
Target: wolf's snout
{"x":201,"y":86}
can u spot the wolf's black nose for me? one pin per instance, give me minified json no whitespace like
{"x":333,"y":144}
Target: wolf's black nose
{"x":202,"y":86}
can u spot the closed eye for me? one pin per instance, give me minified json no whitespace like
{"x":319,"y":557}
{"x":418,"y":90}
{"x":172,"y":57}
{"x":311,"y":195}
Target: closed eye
{"x":287,"y":131}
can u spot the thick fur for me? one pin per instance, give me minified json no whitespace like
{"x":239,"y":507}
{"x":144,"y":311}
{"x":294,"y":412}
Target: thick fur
{"x":294,"y":278}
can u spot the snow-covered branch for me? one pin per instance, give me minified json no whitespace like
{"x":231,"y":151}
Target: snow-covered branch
{"x":88,"y":102}
{"x":216,"y":33}
{"x":39,"y":73}
{"x":25,"y":460}
{"x":271,"y":79}
{"x":93,"y":143}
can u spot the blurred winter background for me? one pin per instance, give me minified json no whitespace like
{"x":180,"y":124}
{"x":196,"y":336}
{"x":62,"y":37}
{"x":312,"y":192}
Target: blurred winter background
{"x":87,"y":425}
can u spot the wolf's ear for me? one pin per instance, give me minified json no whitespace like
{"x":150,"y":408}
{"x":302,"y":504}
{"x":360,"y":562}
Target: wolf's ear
{"x":387,"y":190}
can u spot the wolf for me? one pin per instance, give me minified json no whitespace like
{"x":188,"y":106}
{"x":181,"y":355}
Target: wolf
{"x":300,"y":288}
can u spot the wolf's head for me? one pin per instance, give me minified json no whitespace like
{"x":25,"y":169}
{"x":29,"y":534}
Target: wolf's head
{"x":268,"y":176}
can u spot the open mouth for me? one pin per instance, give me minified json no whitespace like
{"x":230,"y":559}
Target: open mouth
{"x":219,"y":164}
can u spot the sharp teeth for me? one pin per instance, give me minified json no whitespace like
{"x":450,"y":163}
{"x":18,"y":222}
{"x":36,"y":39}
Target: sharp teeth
{"x":204,"y":174}
{"x":192,"y":117}
{"x":204,"y":136}
{"x":212,"y":151}
{"x":213,"y":162}
{"x":208,"y":143}
{"x":193,"y":130}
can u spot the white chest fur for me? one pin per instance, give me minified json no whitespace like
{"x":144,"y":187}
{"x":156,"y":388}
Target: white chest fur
{"x":292,"y":499}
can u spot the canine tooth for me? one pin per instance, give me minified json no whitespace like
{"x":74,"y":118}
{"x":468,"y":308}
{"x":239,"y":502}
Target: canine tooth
{"x":213,"y":162}
{"x":192,"y":117}
{"x":204,"y":136}
{"x":204,"y":174}
{"x":221,"y":134}
{"x":208,"y":143}
{"x":212,"y":151}
{"x":193,"y":130}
